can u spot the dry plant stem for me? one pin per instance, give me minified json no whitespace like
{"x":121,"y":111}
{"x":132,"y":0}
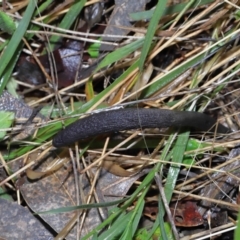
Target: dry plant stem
{"x":79,"y":186}
{"x":164,"y":96}
{"x":53,"y":69}
{"x":218,"y":186}
{"x":59,"y":10}
{"x":16,"y":7}
{"x":189,"y":24}
{"x":75,"y":173}
{"x":67,"y":228}
{"x":62,"y":91}
{"x":83,"y":81}
{"x":166,"y":206}
{"x":218,"y":202}
{"x":232,"y":4}
{"x":183,"y":101}
{"x":75,"y":33}
{"x":73,"y":37}
{"x":75,"y":219}
{"x":157,"y":148}
{"x":4,"y":164}
{"x":111,"y":151}
{"x":113,"y":90}
{"x":26,"y":166}
{"x":230,"y":144}
{"x":119,"y":158}
{"x":170,"y":42}
{"x":215,"y":17}
{"x":84,"y":199}
{"x":174,"y":87}
{"x":32,"y":87}
{"x":225,"y":71}
{"x":18,"y":197}
{"x":181,"y":164}
{"x":93,"y":183}
{"x":211,"y":233}
{"x":197,"y":187}
{"x":186,"y":56}
{"x":210,"y":171}
{"x":156,"y":78}
{"x":180,"y":78}
{"x":212,"y":66}
{"x":141,"y":31}
{"x":37,"y":60}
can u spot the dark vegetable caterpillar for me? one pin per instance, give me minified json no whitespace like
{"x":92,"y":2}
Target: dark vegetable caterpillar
{"x":133,"y":118}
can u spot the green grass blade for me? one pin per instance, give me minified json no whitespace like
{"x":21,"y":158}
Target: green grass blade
{"x":177,"y":157}
{"x":177,"y":8}
{"x":237,"y":230}
{"x":133,"y":222}
{"x":6,"y":120}
{"x":68,"y":20}
{"x":10,"y":51}
{"x":158,"y":12}
{"x":120,"y":53}
{"x":116,"y":228}
{"x":139,"y":212}
{"x":117,"y":214}
{"x":43,"y":6}
{"x":145,"y":183}
{"x":6,"y":23}
{"x":83,"y":206}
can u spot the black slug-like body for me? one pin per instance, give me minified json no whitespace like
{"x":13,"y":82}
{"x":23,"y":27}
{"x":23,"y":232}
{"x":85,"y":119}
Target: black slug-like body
{"x":132,"y":118}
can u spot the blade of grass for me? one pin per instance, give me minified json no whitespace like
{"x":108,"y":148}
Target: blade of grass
{"x":158,"y":12}
{"x":43,"y":6}
{"x":237,"y":230}
{"x":133,"y":222}
{"x":159,"y":220}
{"x":6,"y":120}
{"x":8,"y":72}
{"x":117,"y":227}
{"x":145,"y":183}
{"x":116,"y":214}
{"x":67,"y":21}
{"x":177,"y":157}
{"x":120,"y":53}
{"x":11,"y":50}
{"x":177,"y":8}
{"x":4,"y":194}
{"x":6,"y":23}
{"x":83,"y":206}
